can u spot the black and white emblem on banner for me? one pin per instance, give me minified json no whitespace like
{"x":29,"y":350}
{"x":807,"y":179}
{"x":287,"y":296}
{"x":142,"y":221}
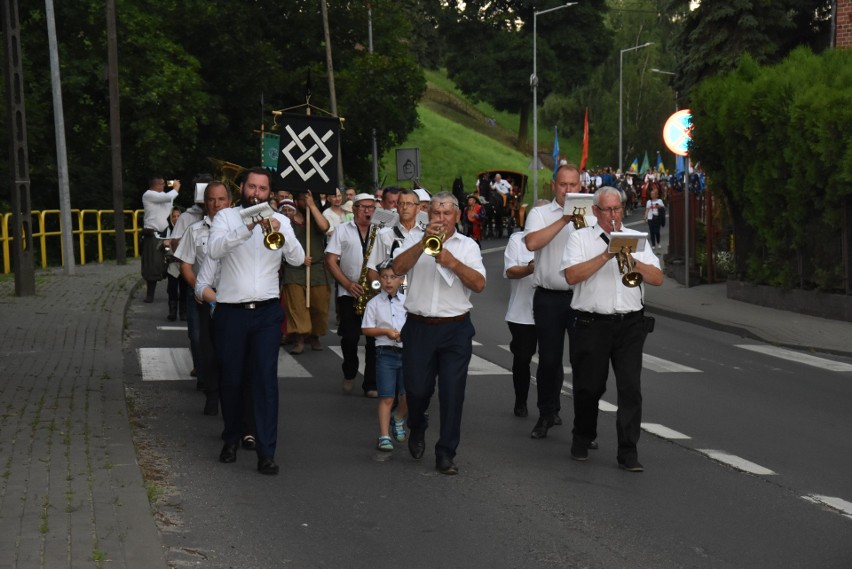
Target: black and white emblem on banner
{"x":308,"y":156}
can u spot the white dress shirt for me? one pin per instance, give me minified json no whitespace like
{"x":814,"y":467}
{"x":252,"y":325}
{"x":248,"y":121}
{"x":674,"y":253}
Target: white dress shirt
{"x":158,"y":207}
{"x":603,"y":292}
{"x":429,"y":293}
{"x":345,"y":242}
{"x":548,"y":259}
{"x":383,"y":311}
{"x":520,"y":309}
{"x":249,"y":271}
{"x":192,"y":248}
{"x":187,"y":218}
{"x":384,"y":243}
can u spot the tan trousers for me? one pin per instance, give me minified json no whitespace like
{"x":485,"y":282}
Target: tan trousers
{"x":301,"y":319}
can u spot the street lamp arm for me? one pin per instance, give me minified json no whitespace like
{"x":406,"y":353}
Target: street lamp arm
{"x":557,"y":8}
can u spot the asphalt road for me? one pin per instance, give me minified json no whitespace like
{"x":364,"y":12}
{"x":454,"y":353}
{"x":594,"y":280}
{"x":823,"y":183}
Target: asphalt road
{"x":517,"y":502}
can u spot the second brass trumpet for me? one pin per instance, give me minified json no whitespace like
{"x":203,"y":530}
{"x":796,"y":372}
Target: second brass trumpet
{"x":433,"y":244}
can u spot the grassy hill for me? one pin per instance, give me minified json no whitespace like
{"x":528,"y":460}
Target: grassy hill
{"x":456,"y":138}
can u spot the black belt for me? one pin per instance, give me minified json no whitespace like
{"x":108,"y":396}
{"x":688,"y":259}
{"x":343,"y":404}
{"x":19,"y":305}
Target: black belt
{"x":568,"y":292}
{"x":618,"y":317}
{"x":393,"y":349}
{"x":438,"y":319}
{"x":250,"y":305}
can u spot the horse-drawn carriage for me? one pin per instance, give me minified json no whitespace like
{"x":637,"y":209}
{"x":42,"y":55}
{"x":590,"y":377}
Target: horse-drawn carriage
{"x":503,"y":210}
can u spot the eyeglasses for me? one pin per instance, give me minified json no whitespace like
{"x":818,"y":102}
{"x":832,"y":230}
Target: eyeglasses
{"x":610,"y":210}
{"x":366,"y":207}
{"x":406,"y":204}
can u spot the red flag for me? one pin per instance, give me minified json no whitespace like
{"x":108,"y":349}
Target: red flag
{"x":585,"y":157}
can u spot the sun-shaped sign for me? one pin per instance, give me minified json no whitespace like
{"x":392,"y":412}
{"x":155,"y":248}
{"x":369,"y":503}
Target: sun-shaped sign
{"x":678,"y":132}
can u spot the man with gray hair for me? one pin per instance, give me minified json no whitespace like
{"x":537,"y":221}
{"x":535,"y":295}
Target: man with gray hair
{"x":438,"y":331}
{"x":610,"y":328}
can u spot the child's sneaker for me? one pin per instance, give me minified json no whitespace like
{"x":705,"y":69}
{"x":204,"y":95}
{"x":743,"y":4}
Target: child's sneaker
{"x":384,"y":443}
{"x":398,"y":428}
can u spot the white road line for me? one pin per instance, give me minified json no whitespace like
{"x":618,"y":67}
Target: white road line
{"x":664,"y":432}
{"x":736,"y":462}
{"x":566,"y":369}
{"x":478,"y":366}
{"x":174,"y":364}
{"x":165,"y":364}
{"x":607,"y":407}
{"x":660,"y":365}
{"x":172,"y":328}
{"x":797,"y":357}
{"x":838,"y":504}
{"x":289,"y":366}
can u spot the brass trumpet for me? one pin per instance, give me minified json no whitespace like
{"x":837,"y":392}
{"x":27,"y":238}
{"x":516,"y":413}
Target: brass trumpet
{"x":433,"y":244}
{"x":272,"y":240}
{"x":631,"y":277}
{"x":579,"y":217}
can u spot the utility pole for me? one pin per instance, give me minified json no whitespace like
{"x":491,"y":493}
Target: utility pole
{"x":115,"y":136}
{"x":332,"y":97}
{"x":68,"y":263}
{"x":16,"y":123}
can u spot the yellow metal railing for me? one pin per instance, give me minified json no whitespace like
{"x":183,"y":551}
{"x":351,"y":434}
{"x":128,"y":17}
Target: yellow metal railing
{"x":47,"y":234}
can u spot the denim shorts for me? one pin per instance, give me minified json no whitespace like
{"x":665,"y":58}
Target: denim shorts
{"x":389,"y":372}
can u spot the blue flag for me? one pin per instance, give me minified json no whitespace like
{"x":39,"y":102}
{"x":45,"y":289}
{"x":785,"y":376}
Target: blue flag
{"x":555,"y":151}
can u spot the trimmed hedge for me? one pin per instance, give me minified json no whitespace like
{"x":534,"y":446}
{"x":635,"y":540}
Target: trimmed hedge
{"x":777,"y":143}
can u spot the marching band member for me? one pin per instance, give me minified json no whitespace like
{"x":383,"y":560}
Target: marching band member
{"x":345,"y":260}
{"x":248,"y":315}
{"x":547,"y":230}
{"x":609,"y":328}
{"x":438,"y":333}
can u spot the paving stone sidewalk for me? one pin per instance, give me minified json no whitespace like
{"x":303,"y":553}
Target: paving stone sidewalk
{"x":71,"y":491}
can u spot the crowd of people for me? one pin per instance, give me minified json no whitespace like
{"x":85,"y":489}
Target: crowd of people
{"x":400,"y":267}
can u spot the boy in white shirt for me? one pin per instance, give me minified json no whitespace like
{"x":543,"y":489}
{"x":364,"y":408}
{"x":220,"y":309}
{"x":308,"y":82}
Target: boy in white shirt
{"x":383,"y":319}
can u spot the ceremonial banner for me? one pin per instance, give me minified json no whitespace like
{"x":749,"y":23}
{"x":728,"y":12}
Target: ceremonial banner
{"x":585,"y":156}
{"x":308,"y":154}
{"x":555,"y":151}
{"x":271,"y":147}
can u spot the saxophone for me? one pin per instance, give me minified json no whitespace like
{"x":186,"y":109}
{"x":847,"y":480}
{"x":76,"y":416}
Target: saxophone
{"x":369,"y":290}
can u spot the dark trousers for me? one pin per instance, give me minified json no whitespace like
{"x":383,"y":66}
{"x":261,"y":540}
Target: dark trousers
{"x":249,"y":339}
{"x":349,"y":331}
{"x":553,"y":319}
{"x":596,"y":344}
{"x":207,"y":367}
{"x":442,"y":352}
{"x":193,"y":324}
{"x":654,"y":231}
{"x":523,"y":347}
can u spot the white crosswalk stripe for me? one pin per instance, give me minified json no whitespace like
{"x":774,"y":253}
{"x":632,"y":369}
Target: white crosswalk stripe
{"x":478,"y":366}
{"x":736,"y":462}
{"x":649,"y":362}
{"x":798,"y":357}
{"x":174,"y":364}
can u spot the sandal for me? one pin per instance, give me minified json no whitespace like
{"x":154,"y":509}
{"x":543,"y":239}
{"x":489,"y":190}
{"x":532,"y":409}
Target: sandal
{"x":384,"y":443}
{"x":398,"y":428}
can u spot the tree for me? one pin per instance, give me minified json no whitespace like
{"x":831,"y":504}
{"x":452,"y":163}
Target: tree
{"x":715,"y":34}
{"x":489,"y":53}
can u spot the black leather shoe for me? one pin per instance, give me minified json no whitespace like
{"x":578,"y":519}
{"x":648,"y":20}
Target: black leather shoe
{"x":557,"y":420}
{"x":211,"y":405}
{"x":630,"y":465}
{"x":229,"y":453}
{"x":579,"y":452}
{"x":593,"y":445}
{"x":265,"y":465}
{"x":249,"y":442}
{"x":541,"y":427}
{"x":417,"y":444}
{"x":521,"y":410}
{"x":446,"y":466}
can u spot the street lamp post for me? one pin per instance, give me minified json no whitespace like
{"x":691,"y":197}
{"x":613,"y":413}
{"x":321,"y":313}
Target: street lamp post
{"x":621,"y":98}
{"x":660,"y":71}
{"x":534,"y":85}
